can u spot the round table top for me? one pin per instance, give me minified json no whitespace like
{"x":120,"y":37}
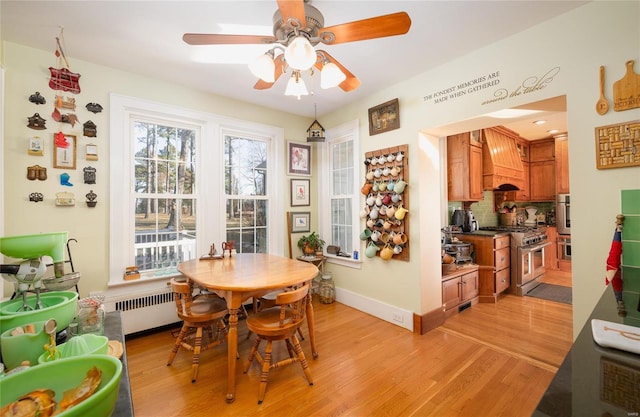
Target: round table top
{"x":248,"y":271}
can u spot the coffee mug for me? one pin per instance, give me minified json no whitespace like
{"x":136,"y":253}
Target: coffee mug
{"x":371,"y":250}
{"x":373,"y":214}
{"x":377,"y":173}
{"x":386,"y":200}
{"x":400,"y":212}
{"x":387,"y":252}
{"x":400,"y":186}
{"x":366,"y":188}
{"x":375,"y":235}
{"x":371,"y":223}
{"x":370,"y":200}
{"x":376,"y":187}
{"x":390,"y":185}
{"x":396,"y":197}
{"x":364,"y":213}
{"x":374,"y":161}
{"x":395,"y":171}
{"x":379,"y":200}
{"x":397,"y":250}
{"x":382,"y":186}
{"x":387,"y":224}
{"x":386,"y":171}
{"x":399,"y":156}
{"x":384,"y":237}
{"x":391,"y":211}
{"x":365,"y":234}
{"x":400,"y":238}
{"x":370,"y":175}
{"x":391,"y":157}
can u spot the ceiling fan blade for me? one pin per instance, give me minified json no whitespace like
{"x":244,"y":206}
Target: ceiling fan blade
{"x":279,"y":64}
{"x":375,"y":27}
{"x":292,"y":9}
{"x":351,"y":83}
{"x":214,"y":39}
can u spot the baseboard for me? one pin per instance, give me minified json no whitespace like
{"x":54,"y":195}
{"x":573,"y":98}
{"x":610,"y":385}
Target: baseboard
{"x":428,"y":321}
{"x":383,"y":311}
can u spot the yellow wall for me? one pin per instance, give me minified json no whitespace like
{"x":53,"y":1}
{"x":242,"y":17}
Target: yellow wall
{"x":568,"y":42}
{"x":27,"y":72}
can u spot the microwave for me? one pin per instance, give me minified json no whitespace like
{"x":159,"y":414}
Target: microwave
{"x":563,"y":214}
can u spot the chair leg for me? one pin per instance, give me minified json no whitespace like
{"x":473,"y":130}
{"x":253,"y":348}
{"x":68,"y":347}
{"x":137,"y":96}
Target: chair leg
{"x":302,"y":359}
{"x":252,"y":354}
{"x":176,"y":346}
{"x":196,"y":354}
{"x":266,"y":365}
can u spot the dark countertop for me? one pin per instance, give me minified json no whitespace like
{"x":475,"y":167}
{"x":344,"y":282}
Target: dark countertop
{"x":113,"y":330}
{"x":486,"y":233}
{"x":584,"y":384}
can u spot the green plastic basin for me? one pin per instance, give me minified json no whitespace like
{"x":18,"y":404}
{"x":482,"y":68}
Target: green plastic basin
{"x":35,"y":246}
{"x":66,"y":374}
{"x":58,"y":305}
{"x":85,"y":344}
{"x":23,"y":347}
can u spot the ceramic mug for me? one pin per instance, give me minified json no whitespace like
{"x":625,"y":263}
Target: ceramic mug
{"x":396,"y":197}
{"x":376,"y":187}
{"x":365,"y":234}
{"x":373,"y":214}
{"x":374,"y":161}
{"x":382,"y":186}
{"x":386,"y":200}
{"x":400,"y":212}
{"x":390,"y":185}
{"x":384,"y":237}
{"x":391,"y":157}
{"x":370,"y":223}
{"x":400,"y":238}
{"x":371,"y":250}
{"x":370,"y":175}
{"x":400,"y":186}
{"x":377,"y":173}
{"x":387,"y":224}
{"x":395,"y":171}
{"x":399,"y":156}
{"x":379,"y":200}
{"x":382,"y":211}
{"x":370,"y":200}
{"x":386,"y":171}
{"x":391,"y":211}
{"x":364,"y":213}
{"x":397,"y":250}
{"x":366,"y":188}
{"x":387,"y":252}
{"x":375,"y":235}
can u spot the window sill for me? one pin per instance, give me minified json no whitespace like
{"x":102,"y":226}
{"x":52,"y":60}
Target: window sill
{"x":348,"y":262}
{"x":160,"y":275}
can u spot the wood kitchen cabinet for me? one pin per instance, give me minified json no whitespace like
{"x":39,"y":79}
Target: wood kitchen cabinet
{"x":542,"y":150}
{"x":562,"y":164}
{"x":551,"y":251}
{"x":492,"y":254}
{"x":542,"y":170}
{"x":464,"y":167}
{"x":459,"y":290}
{"x":524,"y":194}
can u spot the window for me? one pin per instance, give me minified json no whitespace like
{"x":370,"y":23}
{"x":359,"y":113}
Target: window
{"x":183,"y":180}
{"x":339,"y":191}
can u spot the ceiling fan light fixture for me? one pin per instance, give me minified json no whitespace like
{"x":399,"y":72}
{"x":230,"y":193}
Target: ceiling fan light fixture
{"x":331,"y":76}
{"x":296,"y":86}
{"x":299,"y":54}
{"x":264,"y":67}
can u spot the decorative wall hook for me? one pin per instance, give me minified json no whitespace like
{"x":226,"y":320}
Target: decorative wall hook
{"x":89,"y":129}
{"x":91,"y":197}
{"x":65,"y":199}
{"x":36,"y":172}
{"x":37,"y":98}
{"x":94,"y":107}
{"x":36,"y":197}
{"x":64,"y":180}
{"x":36,"y":122}
{"x":89,"y":175}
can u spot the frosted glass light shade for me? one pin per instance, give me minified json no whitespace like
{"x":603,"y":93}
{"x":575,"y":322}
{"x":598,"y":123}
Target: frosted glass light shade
{"x":331,"y":76}
{"x":296,"y":87}
{"x":264,"y":68}
{"x":300,"y":54}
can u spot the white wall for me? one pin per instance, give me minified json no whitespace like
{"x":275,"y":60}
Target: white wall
{"x":27,"y":72}
{"x":571,"y":43}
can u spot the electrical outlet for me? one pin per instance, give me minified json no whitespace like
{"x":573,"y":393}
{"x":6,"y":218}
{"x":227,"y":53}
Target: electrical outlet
{"x":398,"y":317}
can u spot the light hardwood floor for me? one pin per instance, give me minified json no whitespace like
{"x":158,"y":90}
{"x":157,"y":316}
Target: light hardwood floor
{"x":489,"y":360}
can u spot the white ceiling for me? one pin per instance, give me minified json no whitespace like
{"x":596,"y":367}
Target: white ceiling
{"x":145,"y":37}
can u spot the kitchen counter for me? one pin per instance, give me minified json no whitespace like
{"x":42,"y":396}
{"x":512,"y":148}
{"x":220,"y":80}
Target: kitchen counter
{"x":484,"y":233}
{"x":113,"y":330}
{"x":584,"y":384}
{"x":462,"y":269}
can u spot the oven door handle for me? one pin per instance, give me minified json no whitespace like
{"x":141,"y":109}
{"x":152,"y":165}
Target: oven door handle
{"x":528,"y":249}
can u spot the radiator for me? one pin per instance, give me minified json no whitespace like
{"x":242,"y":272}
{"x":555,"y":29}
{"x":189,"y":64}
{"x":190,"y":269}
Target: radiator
{"x":144,"y":311}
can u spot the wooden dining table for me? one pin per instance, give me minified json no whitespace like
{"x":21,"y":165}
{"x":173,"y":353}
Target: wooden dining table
{"x":242,"y":276}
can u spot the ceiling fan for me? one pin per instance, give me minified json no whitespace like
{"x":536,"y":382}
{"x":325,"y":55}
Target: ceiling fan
{"x":297,"y":28}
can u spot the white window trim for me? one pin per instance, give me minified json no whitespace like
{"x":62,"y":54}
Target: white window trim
{"x":351,"y":129}
{"x":209,"y":142}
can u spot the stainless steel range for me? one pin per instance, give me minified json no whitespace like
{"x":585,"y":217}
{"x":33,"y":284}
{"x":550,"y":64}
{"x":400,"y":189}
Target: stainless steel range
{"x":527,"y":256}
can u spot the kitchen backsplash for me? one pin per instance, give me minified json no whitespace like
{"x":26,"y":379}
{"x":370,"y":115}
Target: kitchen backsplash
{"x":485,"y":214}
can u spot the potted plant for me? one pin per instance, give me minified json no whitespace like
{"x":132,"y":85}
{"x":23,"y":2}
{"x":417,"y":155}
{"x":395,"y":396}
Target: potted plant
{"x":311,"y":244}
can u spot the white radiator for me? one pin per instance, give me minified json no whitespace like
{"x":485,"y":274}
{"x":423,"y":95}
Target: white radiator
{"x":144,"y":311}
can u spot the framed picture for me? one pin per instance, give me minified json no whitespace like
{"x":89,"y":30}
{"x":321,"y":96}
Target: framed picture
{"x":64,"y":151}
{"x":299,"y":159}
{"x":36,"y":147}
{"x":384,"y":117}
{"x":300,"y":193}
{"x":300,"y":222}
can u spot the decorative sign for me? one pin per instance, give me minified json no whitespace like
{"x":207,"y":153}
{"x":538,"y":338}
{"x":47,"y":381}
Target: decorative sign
{"x":482,"y":82}
{"x":626,"y":91}
{"x":618,"y":145}
{"x":384,"y":117}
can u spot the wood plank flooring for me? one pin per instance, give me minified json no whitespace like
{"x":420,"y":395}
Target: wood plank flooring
{"x":489,"y":360}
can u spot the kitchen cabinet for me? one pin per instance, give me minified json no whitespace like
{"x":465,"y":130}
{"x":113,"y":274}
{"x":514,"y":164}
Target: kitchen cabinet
{"x":464,"y":167}
{"x":551,"y":251}
{"x":524,"y":194}
{"x":492,"y":254}
{"x":542,"y":170}
{"x":459,"y":290}
{"x":562,"y":164}
{"x":564,"y":253}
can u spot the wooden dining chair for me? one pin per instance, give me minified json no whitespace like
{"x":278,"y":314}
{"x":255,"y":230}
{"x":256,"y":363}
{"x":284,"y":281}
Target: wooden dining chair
{"x":199,"y":314}
{"x":280,"y":322}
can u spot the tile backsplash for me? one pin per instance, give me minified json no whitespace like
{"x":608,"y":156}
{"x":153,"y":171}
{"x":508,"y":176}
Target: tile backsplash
{"x":485,"y":213}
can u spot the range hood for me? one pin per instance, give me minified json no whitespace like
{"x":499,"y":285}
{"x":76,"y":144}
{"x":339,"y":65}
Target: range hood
{"x":501,"y":165}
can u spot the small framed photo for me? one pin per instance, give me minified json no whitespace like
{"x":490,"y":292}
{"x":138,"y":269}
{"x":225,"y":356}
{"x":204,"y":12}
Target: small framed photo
{"x":64,"y":151}
{"x":300,"y":193}
{"x":36,"y":146}
{"x":384,"y":117}
{"x":299,"y":159}
{"x":300,"y":222}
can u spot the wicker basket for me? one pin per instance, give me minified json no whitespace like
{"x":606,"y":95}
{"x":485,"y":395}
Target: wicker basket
{"x":508,"y":219}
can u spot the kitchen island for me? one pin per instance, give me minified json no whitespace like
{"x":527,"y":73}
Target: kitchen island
{"x":594,"y":380}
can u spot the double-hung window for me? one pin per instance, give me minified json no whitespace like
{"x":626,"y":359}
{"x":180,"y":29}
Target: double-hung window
{"x":339,"y":221}
{"x":184,"y":181}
